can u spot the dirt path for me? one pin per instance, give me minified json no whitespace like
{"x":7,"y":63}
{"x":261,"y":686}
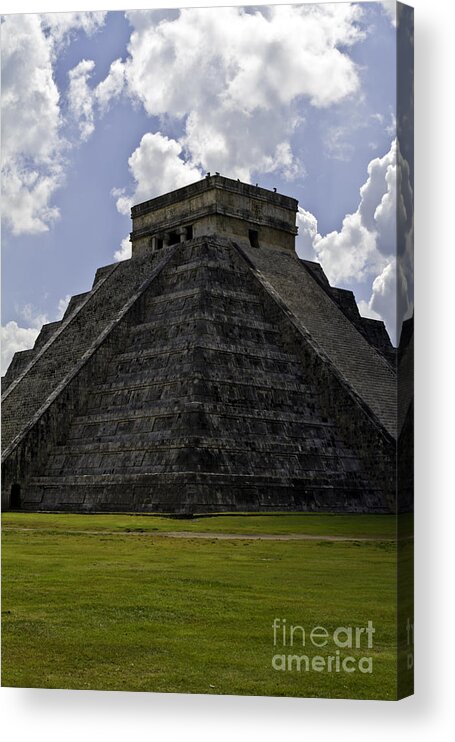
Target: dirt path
{"x":269,"y":536}
{"x":217,"y":536}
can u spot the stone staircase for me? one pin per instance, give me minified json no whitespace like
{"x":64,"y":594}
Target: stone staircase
{"x":203,"y":408}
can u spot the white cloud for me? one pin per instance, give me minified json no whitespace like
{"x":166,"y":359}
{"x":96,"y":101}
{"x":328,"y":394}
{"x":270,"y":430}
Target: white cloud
{"x":26,"y":195}
{"x":157,"y":167}
{"x":31,"y":150}
{"x":32,"y":142}
{"x":80,"y":98}
{"x":390,"y":9}
{"x":366,"y":310}
{"x":377,"y":208}
{"x":62,"y":305}
{"x":350,"y":254}
{"x":32,"y":317}
{"x":383,"y":299}
{"x":124,"y":251}
{"x":62,"y":25}
{"x":244,"y":60}
{"x":240,"y":144}
{"x":14,"y":338}
{"x":308,"y":229}
{"x":391,"y":298}
{"x":234,"y":78}
{"x":112,"y":86}
{"x":84,"y":101}
{"x":367,"y":239}
{"x":366,"y":247}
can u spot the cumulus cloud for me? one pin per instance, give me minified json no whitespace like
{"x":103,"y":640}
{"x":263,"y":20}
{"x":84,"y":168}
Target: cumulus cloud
{"x":31,"y":150}
{"x":80,"y":99}
{"x":366,"y":310}
{"x":156,"y":167}
{"x":112,"y":86}
{"x":60,"y":26}
{"x":232,"y":77}
{"x":377,"y":208}
{"x":383,"y":299}
{"x":366,"y":247}
{"x":84,"y":101}
{"x":349,"y":254}
{"x":32,"y":143}
{"x":391,"y":298}
{"x":15,"y":338}
{"x":124,"y":251}
{"x":367,"y":238}
{"x":244,"y":60}
{"x":387,"y":206}
{"x":308,"y":229}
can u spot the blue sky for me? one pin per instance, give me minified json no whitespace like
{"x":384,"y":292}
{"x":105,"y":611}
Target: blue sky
{"x":104,"y":110}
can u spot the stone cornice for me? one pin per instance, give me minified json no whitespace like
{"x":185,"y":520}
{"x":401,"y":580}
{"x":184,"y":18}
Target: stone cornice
{"x":212,"y":182}
{"x":213,"y":209}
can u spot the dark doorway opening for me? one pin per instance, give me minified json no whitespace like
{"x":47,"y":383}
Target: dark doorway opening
{"x":253,"y":234}
{"x":189,"y":232}
{"x":159,"y":243}
{"x":15,"y":503}
{"x":174,"y":238}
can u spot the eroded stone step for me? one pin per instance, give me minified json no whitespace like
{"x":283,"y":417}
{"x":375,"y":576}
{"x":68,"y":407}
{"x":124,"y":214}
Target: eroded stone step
{"x":180,"y":318}
{"x":218,"y":374}
{"x":160,"y":430}
{"x":190,"y":477}
{"x":254,"y":340}
{"x":129,"y":379}
{"x":181,"y":405}
{"x":264,"y":445}
{"x":211,"y":330}
{"x":204,"y":262}
{"x":190,"y":302}
{"x":240,"y":296}
{"x":140,"y":401}
{"x":244,"y":349}
{"x":201,"y":359}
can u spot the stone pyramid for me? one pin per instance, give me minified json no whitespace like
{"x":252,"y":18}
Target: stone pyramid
{"x":212,"y":371}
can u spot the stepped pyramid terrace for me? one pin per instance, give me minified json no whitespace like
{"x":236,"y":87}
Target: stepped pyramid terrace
{"x":212,"y":371}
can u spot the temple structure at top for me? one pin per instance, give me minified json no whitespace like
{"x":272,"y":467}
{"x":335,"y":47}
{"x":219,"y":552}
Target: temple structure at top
{"x":215,"y":206}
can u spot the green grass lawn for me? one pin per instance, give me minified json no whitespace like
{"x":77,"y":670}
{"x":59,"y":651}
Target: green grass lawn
{"x":352,"y":526}
{"x":117,"y":611}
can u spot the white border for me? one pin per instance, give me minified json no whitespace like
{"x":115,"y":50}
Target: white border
{"x":75,"y":715}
